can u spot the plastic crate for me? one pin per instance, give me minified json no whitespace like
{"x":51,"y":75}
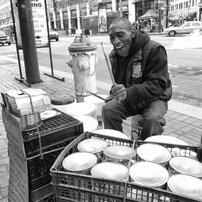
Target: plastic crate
{"x":42,"y":194}
{"x":39,"y":168}
{"x":69,"y":186}
{"x":53,"y":130}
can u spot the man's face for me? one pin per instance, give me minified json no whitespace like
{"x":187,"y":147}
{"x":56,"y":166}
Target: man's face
{"x":121,"y":38}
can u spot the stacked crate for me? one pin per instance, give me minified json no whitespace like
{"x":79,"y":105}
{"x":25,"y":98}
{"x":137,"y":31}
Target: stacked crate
{"x":33,"y":152}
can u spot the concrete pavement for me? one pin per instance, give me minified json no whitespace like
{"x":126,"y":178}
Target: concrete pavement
{"x":183,"y":121}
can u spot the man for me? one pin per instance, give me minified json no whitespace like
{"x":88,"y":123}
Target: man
{"x":143,"y":87}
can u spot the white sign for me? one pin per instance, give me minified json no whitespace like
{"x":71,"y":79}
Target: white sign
{"x":40,"y":23}
{"x":39,"y":20}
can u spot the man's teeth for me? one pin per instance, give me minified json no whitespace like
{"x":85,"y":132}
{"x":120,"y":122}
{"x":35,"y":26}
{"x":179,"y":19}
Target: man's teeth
{"x":119,"y":47}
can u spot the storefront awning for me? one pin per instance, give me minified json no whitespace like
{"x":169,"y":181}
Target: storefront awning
{"x":149,"y":14}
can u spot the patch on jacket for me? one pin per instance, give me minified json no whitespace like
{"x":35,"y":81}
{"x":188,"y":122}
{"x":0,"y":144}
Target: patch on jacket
{"x":136,"y":70}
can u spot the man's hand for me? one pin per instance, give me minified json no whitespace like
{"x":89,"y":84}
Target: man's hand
{"x":119,"y":92}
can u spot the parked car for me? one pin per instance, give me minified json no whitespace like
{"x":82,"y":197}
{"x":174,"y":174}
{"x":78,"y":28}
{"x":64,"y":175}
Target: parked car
{"x":4,"y":38}
{"x":187,"y":28}
{"x":54,"y":35}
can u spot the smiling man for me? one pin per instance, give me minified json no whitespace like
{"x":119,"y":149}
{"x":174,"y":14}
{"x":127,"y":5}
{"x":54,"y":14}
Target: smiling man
{"x":143,"y":87}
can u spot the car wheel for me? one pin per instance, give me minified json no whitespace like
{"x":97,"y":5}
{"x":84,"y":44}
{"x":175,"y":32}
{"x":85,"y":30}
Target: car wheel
{"x":9,"y":43}
{"x":57,"y":39}
{"x":172,"y":33}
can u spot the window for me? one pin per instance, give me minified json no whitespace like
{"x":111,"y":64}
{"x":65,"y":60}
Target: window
{"x":186,"y":4}
{"x":187,"y":25}
{"x":196,"y":24}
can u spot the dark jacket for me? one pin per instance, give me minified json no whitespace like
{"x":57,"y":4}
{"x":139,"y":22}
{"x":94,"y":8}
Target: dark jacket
{"x":145,"y":71}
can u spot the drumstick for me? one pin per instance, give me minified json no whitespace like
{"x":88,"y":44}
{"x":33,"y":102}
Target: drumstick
{"x":97,"y":96}
{"x":108,"y":65}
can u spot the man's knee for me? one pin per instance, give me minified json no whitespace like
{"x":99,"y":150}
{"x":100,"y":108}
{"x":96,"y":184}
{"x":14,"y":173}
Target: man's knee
{"x":155,"y":116}
{"x":150,"y":127}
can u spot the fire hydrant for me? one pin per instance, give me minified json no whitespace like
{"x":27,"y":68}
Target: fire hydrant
{"x":83,"y":65}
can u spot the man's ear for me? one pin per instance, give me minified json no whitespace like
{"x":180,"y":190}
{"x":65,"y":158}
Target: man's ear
{"x":133,"y":34}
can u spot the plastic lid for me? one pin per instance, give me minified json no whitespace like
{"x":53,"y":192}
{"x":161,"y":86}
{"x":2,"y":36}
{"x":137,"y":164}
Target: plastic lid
{"x":186,"y":185}
{"x":89,"y":123}
{"x":119,"y":152}
{"x":153,"y":152}
{"x":109,"y":170}
{"x":93,"y":145}
{"x":82,"y":44}
{"x":111,"y":133}
{"x":79,"y":161}
{"x":166,"y":139}
{"x":148,"y":174}
{"x":186,"y":165}
{"x":76,"y":109}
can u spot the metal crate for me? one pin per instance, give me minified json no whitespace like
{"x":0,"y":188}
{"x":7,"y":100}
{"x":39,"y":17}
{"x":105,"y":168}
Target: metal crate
{"x":69,"y":186}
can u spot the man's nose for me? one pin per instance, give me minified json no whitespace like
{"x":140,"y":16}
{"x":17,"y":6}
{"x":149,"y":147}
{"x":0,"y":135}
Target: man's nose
{"x":116,"y":40}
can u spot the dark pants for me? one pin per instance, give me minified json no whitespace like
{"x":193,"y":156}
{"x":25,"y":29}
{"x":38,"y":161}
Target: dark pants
{"x":151,"y":118}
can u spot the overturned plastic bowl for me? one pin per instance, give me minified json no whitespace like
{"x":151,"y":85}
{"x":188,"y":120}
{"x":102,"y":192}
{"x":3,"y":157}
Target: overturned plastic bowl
{"x":186,"y":185}
{"x":79,"y":162}
{"x":166,"y":139}
{"x":119,"y":154}
{"x":185,"y":165}
{"x":109,"y":170}
{"x":154,"y":152}
{"x":111,"y":133}
{"x":148,"y":174}
{"x":93,"y":145}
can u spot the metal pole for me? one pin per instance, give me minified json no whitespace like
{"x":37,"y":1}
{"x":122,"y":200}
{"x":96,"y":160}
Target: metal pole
{"x":120,"y":6}
{"x":167,"y":7}
{"x":159,"y":20}
{"x":49,"y":47}
{"x":143,"y":7}
{"x":15,"y":36}
{"x":188,"y":11}
{"x":21,"y":79}
{"x":28,"y":41}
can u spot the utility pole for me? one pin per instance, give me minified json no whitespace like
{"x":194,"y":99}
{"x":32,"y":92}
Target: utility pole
{"x":167,"y":8}
{"x":143,"y":7}
{"x":28,"y":41}
{"x":120,"y":7}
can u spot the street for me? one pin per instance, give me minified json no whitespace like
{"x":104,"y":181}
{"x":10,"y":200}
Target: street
{"x":184,"y":53}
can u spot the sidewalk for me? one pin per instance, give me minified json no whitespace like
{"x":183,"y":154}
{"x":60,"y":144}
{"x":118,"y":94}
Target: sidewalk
{"x":183,"y":121}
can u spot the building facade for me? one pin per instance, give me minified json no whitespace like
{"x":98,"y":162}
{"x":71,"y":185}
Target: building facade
{"x":181,"y":10}
{"x":73,"y":16}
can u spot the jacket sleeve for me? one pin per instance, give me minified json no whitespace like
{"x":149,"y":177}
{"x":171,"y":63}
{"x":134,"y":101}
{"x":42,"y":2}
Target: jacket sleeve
{"x":154,"y":78}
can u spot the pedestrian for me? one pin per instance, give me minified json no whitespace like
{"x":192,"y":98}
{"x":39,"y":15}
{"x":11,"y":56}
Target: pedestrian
{"x":143,"y":87}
